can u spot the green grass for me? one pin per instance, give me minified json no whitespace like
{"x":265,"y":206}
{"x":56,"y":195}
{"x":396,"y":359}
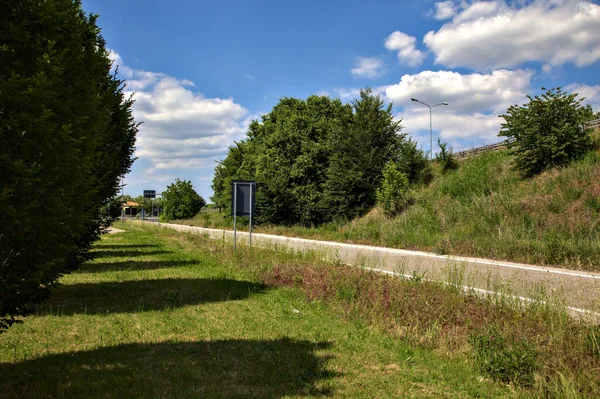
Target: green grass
{"x":161,"y":314}
{"x":483,"y":209}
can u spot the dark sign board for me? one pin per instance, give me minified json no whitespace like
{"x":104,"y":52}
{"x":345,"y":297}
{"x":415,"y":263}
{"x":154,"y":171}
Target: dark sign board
{"x":149,"y":193}
{"x":243,"y":197}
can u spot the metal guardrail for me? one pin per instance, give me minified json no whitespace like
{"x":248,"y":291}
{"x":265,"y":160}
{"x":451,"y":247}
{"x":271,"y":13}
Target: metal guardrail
{"x":479,"y":150}
{"x":592,"y":124}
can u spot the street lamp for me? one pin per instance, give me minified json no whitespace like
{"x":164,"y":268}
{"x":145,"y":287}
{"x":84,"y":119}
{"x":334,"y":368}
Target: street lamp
{"x":430,"y":131}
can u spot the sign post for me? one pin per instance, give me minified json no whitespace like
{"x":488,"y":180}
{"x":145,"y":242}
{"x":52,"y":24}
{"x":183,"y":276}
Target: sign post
{"x":243,"y":199}
{"x":149,"y":194}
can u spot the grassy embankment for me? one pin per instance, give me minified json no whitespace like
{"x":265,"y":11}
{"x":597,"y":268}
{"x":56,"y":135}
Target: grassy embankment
{"x":484,"y":209}
{"x":165,"y":314}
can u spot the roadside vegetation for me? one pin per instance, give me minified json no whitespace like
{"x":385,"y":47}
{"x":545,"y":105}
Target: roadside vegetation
{"x":483,"y":209}
{"x":536,"y":202}
{"x":67,"y":137}
{"x":181,"y":315}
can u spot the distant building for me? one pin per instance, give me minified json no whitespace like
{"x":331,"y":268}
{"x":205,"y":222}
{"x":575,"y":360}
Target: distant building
{"x":131,"y":208}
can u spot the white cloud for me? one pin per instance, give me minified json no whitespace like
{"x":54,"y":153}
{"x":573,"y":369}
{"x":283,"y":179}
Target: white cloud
{"x":347,"y":94}
{"x":470,"y":93}
{"x":591,"y":94}
{"x":249,"y":76}
{"x":444,"y":10}
{"x":479,"y":10}
{"x":368,"y":67}
{"x":181,"y":127}
{"x":475,"y":101}
{"x":458,"y":129}
{"x":492,"y":35}
{"x":350,"y":94}
{"x":405,"y":45}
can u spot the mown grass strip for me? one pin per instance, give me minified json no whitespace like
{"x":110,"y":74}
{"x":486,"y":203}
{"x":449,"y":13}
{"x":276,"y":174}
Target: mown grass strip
{"x":162,"y":314}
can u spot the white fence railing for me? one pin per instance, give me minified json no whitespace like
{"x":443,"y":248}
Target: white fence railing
{"x":479,"y":150}
{"x":592,"y":124}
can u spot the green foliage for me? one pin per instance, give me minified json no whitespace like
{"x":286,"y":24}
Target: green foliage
{"x":502,"y":360}
{"x":225,"y":172}
{"x":149,"y":204}
{"x":446,"y":158}
{"x":67,"y":135}
{"x":316,"y":160}
{"x":547,"y":131}
{"x":413,"y":163}
{"x":392,"y":195}
{"x":181,"y":201}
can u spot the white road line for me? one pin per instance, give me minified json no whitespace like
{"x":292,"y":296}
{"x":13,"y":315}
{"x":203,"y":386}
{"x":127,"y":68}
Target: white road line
{"x":518,"y":266}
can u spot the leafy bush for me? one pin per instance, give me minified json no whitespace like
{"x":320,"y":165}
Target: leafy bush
{"x":446,"y":158}
{"x":502,"y":360}
{"x":547,"y":131}
{"x":181,"y":201}
{"x":414,"y":163}
{"x":392,"y":195}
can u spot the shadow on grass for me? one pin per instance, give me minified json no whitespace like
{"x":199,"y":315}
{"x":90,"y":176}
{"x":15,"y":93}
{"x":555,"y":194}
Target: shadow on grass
{"x":126,"y":254}
{"x":211,"y":369}
{"x":144,"y":295}
{"x":131,"y":265}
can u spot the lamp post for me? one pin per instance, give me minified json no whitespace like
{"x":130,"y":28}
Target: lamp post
{"x":430,"y":130}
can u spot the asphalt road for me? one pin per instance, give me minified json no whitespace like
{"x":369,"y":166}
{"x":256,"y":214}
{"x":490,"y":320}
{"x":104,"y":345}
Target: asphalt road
{"x":579,"y":290}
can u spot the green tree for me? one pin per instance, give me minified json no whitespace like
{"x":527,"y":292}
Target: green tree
{"x":181,"y":201}
{"x":316,"y":160}
{"x":446,"y":158}
{"x":359,"y":154}
{"x":392,"y":195}
{"x":67,"y":136}
{"x":225,"y":173}
{"x":413,"y":163}
{"x":547,"y":131}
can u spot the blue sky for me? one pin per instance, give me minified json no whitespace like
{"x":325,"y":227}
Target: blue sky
{"x":201,"y":71}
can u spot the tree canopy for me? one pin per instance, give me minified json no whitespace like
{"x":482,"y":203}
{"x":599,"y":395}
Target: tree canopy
{"x":547,"y":131}
{"x":315,"y":160}
{"x":67,"y":135}
{"x":181,"y":201}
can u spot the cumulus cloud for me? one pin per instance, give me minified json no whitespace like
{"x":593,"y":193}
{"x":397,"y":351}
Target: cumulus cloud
{"x":368,"y":67}
{"x":475,"y":101}
{"x":591,"y":94}
{"x":181,"y":127}
{"x":405,"y":45}
{"x":471,"y":93}
{"x":460,"y":130}
{"x":444,"y":10}
{"x":491,"y":35}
